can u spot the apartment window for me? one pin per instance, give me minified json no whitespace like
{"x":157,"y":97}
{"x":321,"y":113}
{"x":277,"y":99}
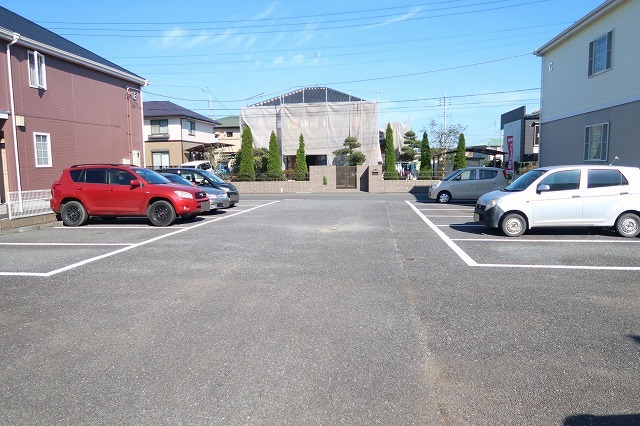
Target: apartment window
{"x":37,"y":71}
{"x":229,"y":134}
{"x":600,"y":54}
{"x":536,"y":135}
{"x":159,"y":127}
{"x":596,"y":142}
{"x":191,"y":125}
{"x":42,"y":143}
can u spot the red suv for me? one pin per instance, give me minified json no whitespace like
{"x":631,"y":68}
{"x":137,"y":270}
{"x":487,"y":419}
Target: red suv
{"x":111,"y":190}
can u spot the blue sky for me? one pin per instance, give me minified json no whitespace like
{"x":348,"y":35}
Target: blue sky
{"x":215,"y":57}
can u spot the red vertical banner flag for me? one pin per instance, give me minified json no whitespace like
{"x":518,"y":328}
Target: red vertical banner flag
{"x":510,"y":150}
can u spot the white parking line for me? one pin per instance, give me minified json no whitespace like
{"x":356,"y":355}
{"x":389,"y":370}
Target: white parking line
{"x":464,"y":256}
{"x":470,"y":262}
{"x":127,"y":247}
{"x":525,"y":240}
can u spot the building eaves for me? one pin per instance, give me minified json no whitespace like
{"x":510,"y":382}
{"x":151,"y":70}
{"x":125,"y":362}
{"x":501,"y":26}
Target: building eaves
{"x":592,"y":16}
{"x":152,"y":109}
{"x":33,"y":36}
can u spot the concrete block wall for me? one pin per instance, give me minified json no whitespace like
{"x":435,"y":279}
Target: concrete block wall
{"x":369,"y":179}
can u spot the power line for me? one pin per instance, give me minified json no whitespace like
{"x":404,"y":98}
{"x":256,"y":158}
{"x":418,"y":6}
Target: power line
{"x":224,"y":29}
{"x":394,"y":42}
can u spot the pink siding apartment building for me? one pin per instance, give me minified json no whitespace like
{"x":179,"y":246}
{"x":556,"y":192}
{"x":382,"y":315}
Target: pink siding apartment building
{"x":61,"y":104}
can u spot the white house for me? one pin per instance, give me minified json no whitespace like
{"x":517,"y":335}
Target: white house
{"x":173,"y":134}
{"x":590,"y":100}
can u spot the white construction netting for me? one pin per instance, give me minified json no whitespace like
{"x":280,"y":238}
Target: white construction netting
{"x":324,"y":126}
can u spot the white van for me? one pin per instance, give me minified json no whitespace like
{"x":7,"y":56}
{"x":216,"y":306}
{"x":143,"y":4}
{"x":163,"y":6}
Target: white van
{"x":468,"y":184}
{"x":198,"y":164}
{"x":565,"y":196}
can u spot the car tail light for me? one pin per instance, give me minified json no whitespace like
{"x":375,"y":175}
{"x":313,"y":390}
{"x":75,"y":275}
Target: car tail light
{"x":504,"y":172}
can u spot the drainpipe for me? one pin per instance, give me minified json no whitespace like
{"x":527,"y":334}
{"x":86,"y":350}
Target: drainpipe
{"x":16,"y":37}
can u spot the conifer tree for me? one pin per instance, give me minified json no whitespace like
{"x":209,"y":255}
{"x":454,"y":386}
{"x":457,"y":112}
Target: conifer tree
{"x":274,"y":166}
{"x":426,"y":169}
{"x":246,"y":171}
{"x":460,"y":158}
{"x":301,"y":161}
{"x":390,"y":171}
{"x":348,"y":156}
{"x":411,"y":143}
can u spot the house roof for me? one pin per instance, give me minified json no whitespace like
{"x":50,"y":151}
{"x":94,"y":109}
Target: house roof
{"x":309,"y":95}
{"x":33,"y":36}
{"x":230,"y":121}
{"x":153,"y":109}
{"x":491,"y":142}
{"x":594,"y":15}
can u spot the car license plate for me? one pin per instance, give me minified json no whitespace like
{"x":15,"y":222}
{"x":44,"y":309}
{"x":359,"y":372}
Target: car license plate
{"x":205,"y":206}
{"x":476,"y":217}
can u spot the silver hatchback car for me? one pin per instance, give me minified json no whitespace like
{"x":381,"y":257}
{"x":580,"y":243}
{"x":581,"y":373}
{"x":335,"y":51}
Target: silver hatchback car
{"x":468,"y":183}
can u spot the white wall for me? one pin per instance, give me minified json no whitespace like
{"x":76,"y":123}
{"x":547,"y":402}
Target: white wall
{"x":566,"y":88}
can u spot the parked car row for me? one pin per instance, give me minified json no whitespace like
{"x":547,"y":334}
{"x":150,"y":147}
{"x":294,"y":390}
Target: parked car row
{"x":570,"y":196}
{"x":116,"y":190}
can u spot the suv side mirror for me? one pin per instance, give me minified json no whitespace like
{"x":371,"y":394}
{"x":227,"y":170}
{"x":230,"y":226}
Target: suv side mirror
{"x":135,"y":182}
{"x":543,"y":188}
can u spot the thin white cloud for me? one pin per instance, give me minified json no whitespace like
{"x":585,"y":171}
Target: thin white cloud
{"x":169,"y":39}
{"x":202,"y":38}
{"x":397,"y":19}
{"x":180,"y":37}
{"x":266,"y":12}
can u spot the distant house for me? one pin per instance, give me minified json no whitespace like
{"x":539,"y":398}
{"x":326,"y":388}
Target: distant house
{"x":229,"y":136}
{"x":174,"y":135}
{"x":590,"y":100}
{"x":520,"y":136}
{"x":324,"y":117}
{"x":60,"y":104}
{"x":486,"y":153}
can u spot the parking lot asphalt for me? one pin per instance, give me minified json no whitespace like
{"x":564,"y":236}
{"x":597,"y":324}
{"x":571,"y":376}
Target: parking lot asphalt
{"x":346,"y":308}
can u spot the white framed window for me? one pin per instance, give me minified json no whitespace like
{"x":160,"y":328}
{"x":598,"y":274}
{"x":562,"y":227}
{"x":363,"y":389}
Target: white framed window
{"x":159,"y":127}
{"x":42,"y":145}
{"x":160,"y":159}
{"x":596,"y":142}
{"x":37,"y":70}
{"x":536,"y":135}
{"x":600,"y":54}
{"x":191,"y":125}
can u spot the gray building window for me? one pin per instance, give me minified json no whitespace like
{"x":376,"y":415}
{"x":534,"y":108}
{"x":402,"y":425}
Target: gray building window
{"x":596,"y":142}
{"x":600,"y":54}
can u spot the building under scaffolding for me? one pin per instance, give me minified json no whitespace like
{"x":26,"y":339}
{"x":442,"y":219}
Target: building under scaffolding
{"x":323,"y":116}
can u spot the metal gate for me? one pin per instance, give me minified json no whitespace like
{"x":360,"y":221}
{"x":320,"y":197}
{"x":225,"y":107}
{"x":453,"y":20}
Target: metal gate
{"x":346,"y":177}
